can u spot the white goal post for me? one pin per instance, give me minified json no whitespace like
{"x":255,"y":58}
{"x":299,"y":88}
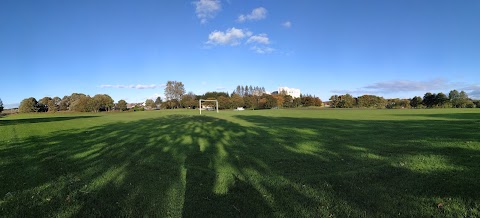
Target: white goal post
{"x":202,"y":100}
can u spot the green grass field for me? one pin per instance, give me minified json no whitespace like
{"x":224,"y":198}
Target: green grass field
{"x":282,"y":163}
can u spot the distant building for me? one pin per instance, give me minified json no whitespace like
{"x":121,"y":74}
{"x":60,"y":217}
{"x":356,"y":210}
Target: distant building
{"x":295,"y":93}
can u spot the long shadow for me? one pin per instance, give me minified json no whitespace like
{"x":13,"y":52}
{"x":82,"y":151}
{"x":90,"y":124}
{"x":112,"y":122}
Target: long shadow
{"x":197,"y":166}
{"x":451,"y":116}
{"x":4,"y":122}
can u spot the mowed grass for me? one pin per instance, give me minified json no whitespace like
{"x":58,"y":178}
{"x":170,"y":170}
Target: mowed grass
{"x":281,"y":163}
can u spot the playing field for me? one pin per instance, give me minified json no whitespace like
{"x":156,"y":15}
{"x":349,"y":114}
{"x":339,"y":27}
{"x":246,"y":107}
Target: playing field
{"x":283,"y":163}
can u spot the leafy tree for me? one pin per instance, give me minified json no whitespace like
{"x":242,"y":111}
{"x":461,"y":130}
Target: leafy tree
{"x":28,"y":105}
{"x":476,"y":103}
{"x":1,"y":105}
{"x":441,"y":100}
{"x":271,"y":102}
{"x":57,"y":100}
{"x":280,"y":99}
{"x":65,"y":103}
{"x":429,"y":99}
{"x":122,"y":105}
{"x":52,"y":107}
{"x":458,"y":99}
{"x":247,"y":101}
{"x":42,"y":104}
{"x":238,"y":101}
{"x":106,"y":102}
{"x":287,"y":101}
{"x":150,"y":104}
{"x":345,"y":101}
{"x":334,"y":101}
{"x":189,"y":100}
{"x":416,"y":102}
{"x":371,"y":101}
{"x":173,"y":92}
{"x":297,"y":102}
{"x":214,"y":95}
{"x":83,"y":103}
{"x":224,"y":102}
{"x":101,"y":102}
{"x":74,"y":102}
{"x":158,"y":101}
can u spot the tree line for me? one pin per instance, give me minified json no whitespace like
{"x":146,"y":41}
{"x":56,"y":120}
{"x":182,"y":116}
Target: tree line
{"x":77,"y":102}
{"x":176,"y":97}
{"x":455,"y":99}
{"x":249,"y":97}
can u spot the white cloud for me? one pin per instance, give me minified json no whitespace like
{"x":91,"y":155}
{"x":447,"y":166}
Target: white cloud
{"x":139,"y":86}
{"x":261,"y":39}
{"x":231,"y":36}
{"x":287,"y":24}
{"x":407,"y":85}
{"x":396,"y":86}
{"x":473,"y":91}
{"x":9,"y":106}
{"x":262,"y":49}
{"x":256,"y":14}
{"x":207,"y":9}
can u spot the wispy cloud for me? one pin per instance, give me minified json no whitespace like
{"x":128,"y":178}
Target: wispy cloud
{"x":261,"y":39}
{"x":287,"y":24}
{"x":256,"y":14}
{"x":407,"y":85}
{"x":220,"y":88}
{"x":139,"y":86}
{"x":262,"y":49}
{"x":232,"y":36}
{"x":473,"y":91}
{"x":9,"y":106}
{"x":396,"y":86}
{"x":207,"y":9}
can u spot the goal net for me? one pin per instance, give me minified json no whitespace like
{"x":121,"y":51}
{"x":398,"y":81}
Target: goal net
{"x":207,"y":107}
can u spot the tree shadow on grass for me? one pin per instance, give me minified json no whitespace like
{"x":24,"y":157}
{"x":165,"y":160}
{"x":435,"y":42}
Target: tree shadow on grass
{"x":196,"y":166}
{"x":4,"y":122}
{"x":452,"y":116}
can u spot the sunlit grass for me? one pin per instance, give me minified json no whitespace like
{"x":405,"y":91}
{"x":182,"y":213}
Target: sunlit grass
{"x":286,"y":163}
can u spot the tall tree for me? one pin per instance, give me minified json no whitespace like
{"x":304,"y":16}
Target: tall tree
{"x":150,"y":104}
{"x":158,"y":101}
{"x":83,"y":103}
{"x":65,"y":103}
{"x":52,"y":107}
{"x":346,"y":101}
{"x":189,"y":100}
{"x":237,"y":101}
{"x":334,"y":100}
{"x":1,"y":105}
{"x":441,"y":100}
{"x":42,"y":104}
{"x":287,"y":101}
{"x":224,"y":102}
{"x":416,"y":102}
{"x":174,"y":91}
{"x":429,"y":99}
{"x":122,"y":105}
{"x":28,"y":105}
{"x":458,"y":99}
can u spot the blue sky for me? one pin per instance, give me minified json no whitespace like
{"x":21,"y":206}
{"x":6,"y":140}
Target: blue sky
{"x":129,"y":49}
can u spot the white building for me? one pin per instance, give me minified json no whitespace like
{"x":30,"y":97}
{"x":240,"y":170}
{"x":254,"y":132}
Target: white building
{"x":295,"y":93}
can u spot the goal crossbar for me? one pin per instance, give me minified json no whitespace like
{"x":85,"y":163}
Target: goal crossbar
{"x":203,"y":100}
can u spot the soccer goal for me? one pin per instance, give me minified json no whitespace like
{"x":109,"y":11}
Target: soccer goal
{"x":200,"y":105}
